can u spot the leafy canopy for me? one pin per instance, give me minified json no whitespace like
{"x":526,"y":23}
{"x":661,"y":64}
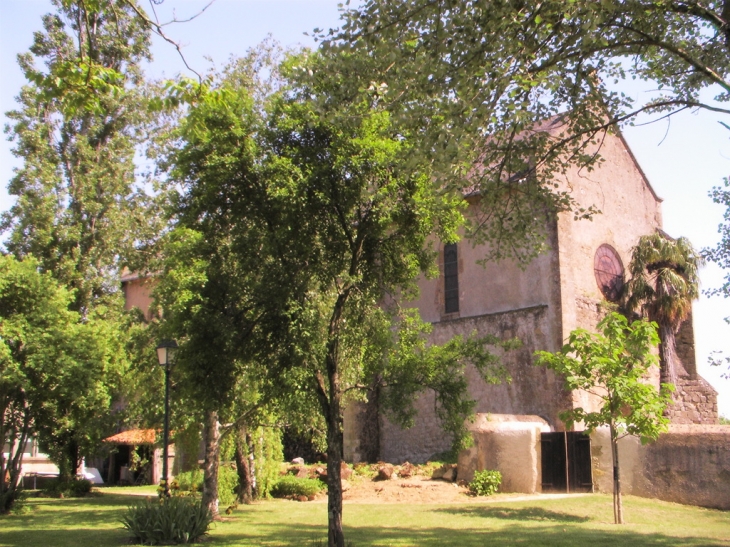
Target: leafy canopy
{"x":612,"y":366}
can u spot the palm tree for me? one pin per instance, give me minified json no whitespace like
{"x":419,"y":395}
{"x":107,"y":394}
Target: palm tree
{"x":664,"y":282}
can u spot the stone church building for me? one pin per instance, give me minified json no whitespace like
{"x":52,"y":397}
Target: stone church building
{"x":557,"y":292}
{"x":517,"y":429}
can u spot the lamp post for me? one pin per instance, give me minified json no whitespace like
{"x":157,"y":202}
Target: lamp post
{"x":166,"y":356}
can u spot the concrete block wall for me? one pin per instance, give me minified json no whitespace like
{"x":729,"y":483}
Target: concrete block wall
{"x":690,"y":464}
{"x":508,"y":444}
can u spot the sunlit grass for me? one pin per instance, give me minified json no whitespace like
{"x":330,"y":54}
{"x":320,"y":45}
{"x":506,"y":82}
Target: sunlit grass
{"x":575,"y":521}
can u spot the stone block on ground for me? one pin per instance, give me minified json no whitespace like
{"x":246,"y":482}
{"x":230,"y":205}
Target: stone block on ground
{"x":407,"y":470}
{"x":446,"y":472}
{"x":385,"y":472}
{"x":300,"y":472}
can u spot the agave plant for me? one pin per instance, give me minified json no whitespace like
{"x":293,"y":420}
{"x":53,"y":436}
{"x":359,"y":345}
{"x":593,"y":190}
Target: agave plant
{"x":167,"y":520}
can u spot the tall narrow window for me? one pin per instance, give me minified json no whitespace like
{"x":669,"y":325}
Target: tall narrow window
{"x":451,"y":278}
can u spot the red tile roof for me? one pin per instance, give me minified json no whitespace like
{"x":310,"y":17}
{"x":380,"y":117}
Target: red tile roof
{"x":133,"y":437}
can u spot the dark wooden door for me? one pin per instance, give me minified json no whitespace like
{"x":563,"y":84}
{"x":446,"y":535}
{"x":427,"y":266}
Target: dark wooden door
{"x":580,"y":473}
{"x":553,"y":462}
{"x":566,"y":462}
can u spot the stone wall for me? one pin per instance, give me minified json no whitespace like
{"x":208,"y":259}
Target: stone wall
{"x":137,"y":291}
{"x":361,"y":430}
{"x":695,"y":402}
{"x":532,"y":390}
{"x":690,"y":464}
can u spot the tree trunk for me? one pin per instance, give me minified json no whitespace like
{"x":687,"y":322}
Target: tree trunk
{"x":211,"y":435}
{"x":10,"y":467}
{"x":335,"y":535}
{"x":243,"y":467}
{"x":68,"y":465}
{"x":618,"y":509}
{"x":667,"y":355}
{"x":330,"y":398}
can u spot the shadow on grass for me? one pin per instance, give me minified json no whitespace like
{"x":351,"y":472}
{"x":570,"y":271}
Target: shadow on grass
{"x":305,"y":536}
{"x":550,"y":536}
{"x":65,"y":538}
{"x":512,"y":513}
{"x":95,"y":521}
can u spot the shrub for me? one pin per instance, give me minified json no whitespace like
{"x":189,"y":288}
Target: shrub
{"x":167,"y":520}
{"x":191,"y":482}
{"x":292,"y":486}
{"x":485,"y":483}
{"x":227,"y":485}
{"x":80,"y":487}
{"x":76,"y":488}
{"x":269,"y":454}
{"x":13,"y":502}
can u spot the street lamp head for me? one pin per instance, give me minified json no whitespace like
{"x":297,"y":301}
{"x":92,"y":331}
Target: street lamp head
{"x":166,"y":350}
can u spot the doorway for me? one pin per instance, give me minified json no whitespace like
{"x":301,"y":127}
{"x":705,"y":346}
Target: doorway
{"x":566,"y":462}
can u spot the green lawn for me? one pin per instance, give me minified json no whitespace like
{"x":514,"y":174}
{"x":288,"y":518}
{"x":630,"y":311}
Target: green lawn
{"x":580,"y":521}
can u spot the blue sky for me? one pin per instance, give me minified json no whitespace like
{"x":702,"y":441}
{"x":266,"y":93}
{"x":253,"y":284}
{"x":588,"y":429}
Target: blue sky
{"x":683,"y":158}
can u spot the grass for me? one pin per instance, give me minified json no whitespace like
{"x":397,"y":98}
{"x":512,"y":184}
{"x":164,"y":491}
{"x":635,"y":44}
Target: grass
{"x":566,"y":522}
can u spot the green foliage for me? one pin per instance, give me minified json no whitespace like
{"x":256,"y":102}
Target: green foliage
{"x":77,"y":488}
{"x":57,"y":372}
{"x":188,"y":481}
{"x":485,"y":483}
{"x":340,"y":217}
{"x":724,"y":420}
{"x":167,"y":521}
{"x":268,"y":455}
{"x":13,"y":501}
{"x":227,"y":484}
{"x":664,"y":282}
{"x":721,"y":253}
{"x":292,"y":486}
{"x":191,"y":483}
{"x":612,"y":366}
{"x":664,"y":278}
{"x":562,"y":67}
{"x":80,"y":212}
{"x":412,"y":366}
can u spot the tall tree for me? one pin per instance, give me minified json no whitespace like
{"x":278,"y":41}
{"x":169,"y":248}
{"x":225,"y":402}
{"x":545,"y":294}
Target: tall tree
{"x":612,"y":366}
{"x":219,"y":293}
{"x":80,"y":210}
{"x":313,"y":205}
{"x":57,"y":373}
{"x":664,"y":282}
{"x":79,"y":207}
{"x":359,"y":215}
{"x":510,"y":90}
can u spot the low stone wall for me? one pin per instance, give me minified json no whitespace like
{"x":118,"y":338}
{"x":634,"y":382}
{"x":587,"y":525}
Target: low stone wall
{"x":696,"y":402}
{"x":532,"y":391}
{"x":690,"y":464}
{"x":509,"y":444}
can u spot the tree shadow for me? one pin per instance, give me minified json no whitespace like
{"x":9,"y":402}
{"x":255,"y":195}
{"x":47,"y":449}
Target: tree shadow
{"x":544,"y":536}
{"x":512,"y":513}
{"x":65,"y":538}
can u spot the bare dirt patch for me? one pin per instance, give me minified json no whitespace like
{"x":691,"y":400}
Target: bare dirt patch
{"x":417,"y":489}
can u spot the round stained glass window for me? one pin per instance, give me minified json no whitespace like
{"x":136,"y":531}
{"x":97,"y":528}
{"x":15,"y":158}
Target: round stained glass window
{"x":609,"y":272}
